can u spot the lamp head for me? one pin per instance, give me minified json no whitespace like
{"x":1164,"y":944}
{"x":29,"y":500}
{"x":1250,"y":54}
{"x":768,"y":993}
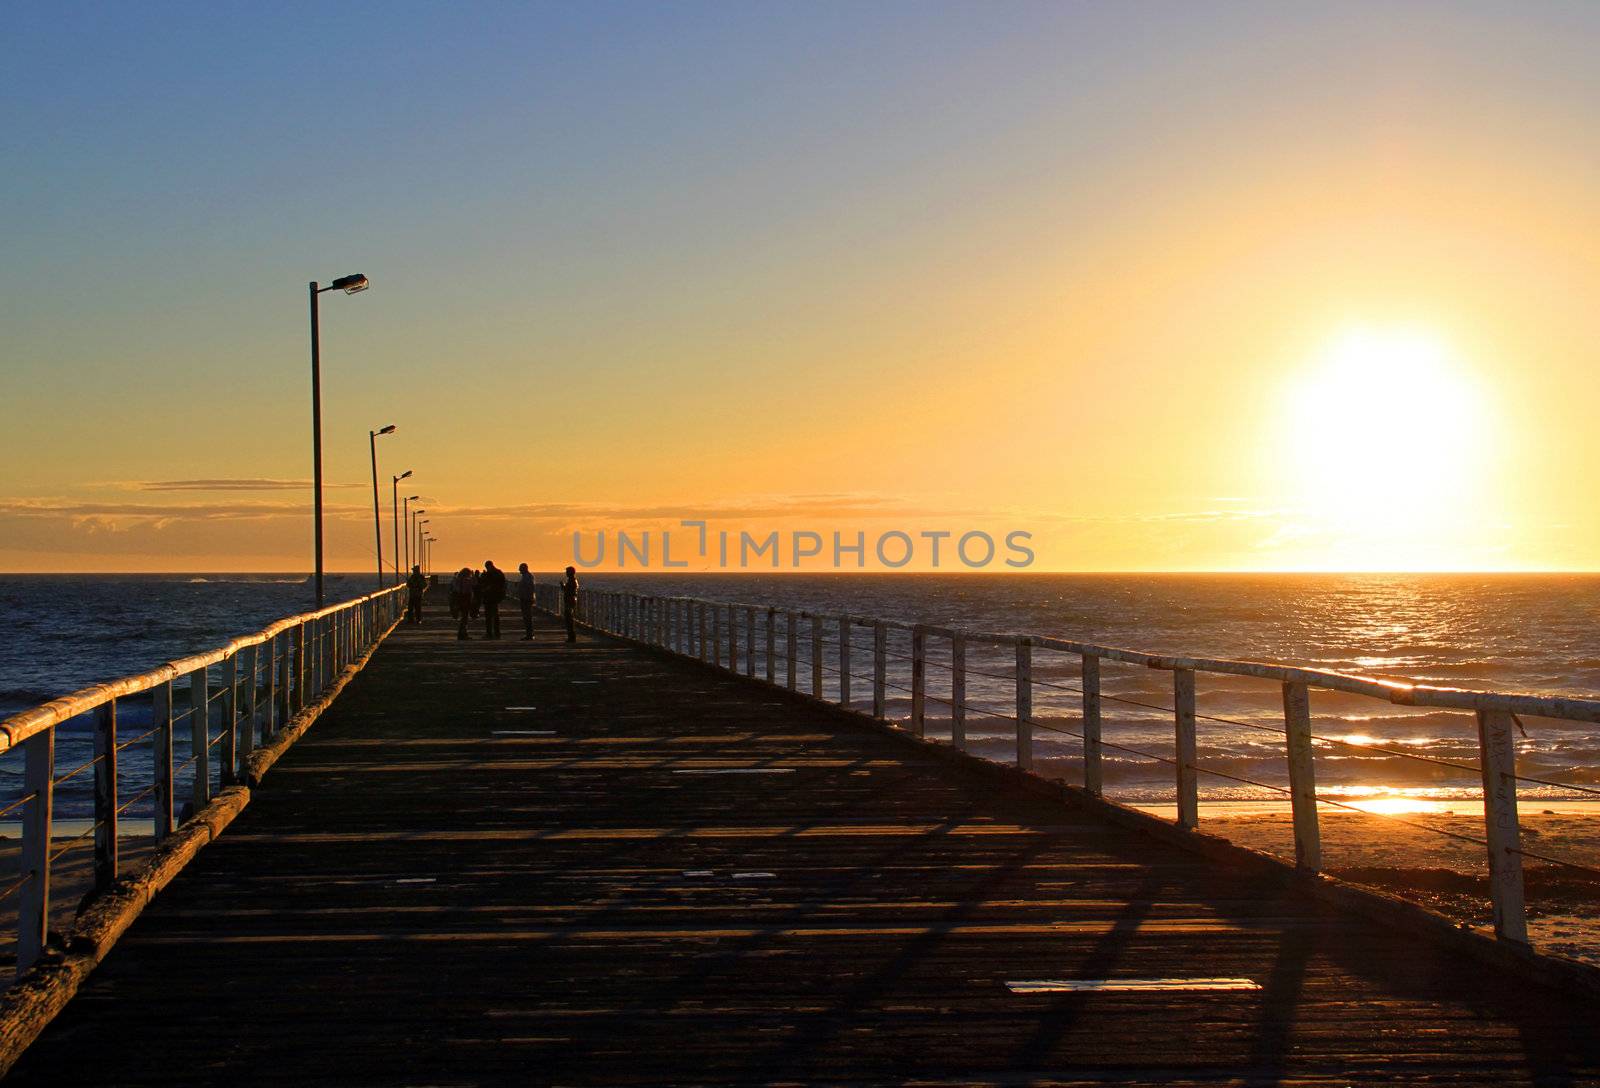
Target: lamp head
{"x":385,"y":430}
{"x":412,"y":498}
{"x":350,"y":284}
{"x":402,"y":476}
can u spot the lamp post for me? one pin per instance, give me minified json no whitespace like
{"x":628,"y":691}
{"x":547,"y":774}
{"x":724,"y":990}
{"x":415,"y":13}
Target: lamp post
{"x":349,"y":285}
{"x":420,"y":534}
{"x":405,"y":506}
{"x":412,"y":542}
{"x":395,"y":516}
{"x":428,"y":554}
{"x":377,"y":518}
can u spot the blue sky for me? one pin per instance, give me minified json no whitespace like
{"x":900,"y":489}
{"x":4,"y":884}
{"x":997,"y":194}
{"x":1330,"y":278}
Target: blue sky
{"x":686,"y":209}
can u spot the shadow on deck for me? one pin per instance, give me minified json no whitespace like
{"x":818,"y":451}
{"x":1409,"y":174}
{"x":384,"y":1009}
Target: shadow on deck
{"x":502,"y":861}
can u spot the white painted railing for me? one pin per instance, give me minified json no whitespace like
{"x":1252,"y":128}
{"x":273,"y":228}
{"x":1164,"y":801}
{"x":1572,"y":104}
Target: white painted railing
{"x":261,"y":681}
{"x":710,"y":631}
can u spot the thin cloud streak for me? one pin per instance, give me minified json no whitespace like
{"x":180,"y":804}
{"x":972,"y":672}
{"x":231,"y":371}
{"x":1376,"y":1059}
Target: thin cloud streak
{"x":245,"y":484}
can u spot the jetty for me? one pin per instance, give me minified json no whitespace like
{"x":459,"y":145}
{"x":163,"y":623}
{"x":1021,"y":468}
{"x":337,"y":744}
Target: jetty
{"x":693,"y":847}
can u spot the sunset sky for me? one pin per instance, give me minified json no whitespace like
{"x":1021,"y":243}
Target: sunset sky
{"x":1170,"y":286}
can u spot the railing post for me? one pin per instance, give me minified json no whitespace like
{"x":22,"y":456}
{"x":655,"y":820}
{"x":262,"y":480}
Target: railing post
{"x":880,"y":668}
{"x":284,"y":681}
{"x":1498,"y":759}
{"x":161,"y":757}
{"x":200,"y":737}
{"x":772,"y":631}
{"x":269,"y":697}
{"x":750,"y":641}
{"x":229,"y":743}
{"x":791,"y":646}
{"x":38,"y":785}
{"x":1302,"y":777}
{"x":919,"y":679}
{"x":702,"y":607}
{"x":105,"y":795}
{"x":1183,"y":721}
{"x":294,"y":687}
{"x":816,"y":656}
{"x":247,"y":736}
{"x":1025,"y":704}
{"x":958,"y":691}
{"x":1092,"y":780}
{"x":844,"y":661}
{"x":733,"y":642}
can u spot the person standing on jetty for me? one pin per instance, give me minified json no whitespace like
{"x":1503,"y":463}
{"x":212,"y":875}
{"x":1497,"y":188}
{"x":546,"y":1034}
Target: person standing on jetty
{"x":461,"y":600}
{"x":525,"y":601}
{"x":416,"y":585}
{"x":493,"y":588}
{"x":569,"y":603}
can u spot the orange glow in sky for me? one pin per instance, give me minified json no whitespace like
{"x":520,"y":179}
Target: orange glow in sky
{"x":1224,"y":289}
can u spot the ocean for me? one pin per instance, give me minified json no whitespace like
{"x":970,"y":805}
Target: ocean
{"x":1534,"y":633}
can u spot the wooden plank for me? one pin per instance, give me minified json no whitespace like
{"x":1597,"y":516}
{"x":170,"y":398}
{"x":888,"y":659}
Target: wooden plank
{"x":828,"y":924}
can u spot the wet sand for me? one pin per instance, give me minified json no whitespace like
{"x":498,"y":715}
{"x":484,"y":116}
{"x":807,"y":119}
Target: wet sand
{"x":1448,"y":875}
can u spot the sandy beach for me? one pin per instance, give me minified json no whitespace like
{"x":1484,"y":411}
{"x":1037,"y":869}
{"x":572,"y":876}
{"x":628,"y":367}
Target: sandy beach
{"x":1446,"y":874}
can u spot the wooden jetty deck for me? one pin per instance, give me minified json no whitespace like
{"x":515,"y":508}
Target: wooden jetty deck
{"x":515,"y":863}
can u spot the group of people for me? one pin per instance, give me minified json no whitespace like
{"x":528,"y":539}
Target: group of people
{"x":475,"y":592}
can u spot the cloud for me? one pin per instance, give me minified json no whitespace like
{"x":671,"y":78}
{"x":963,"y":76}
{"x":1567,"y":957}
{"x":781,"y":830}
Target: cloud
{"x":1182,"y":516}
{"x":244,"y":484}
{"x":758,"y":506}
{"x":108,"y":512}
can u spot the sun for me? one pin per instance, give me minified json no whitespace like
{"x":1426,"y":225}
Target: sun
{"x":1386,"y":442}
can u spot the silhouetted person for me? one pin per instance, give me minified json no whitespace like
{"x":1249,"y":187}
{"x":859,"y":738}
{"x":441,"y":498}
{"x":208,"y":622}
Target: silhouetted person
{"x":492,"y":587}
{"x":461,"y":594}
{"x":525,"y":601}
{"x":569,"y":603}
{"x":475,"y":598}
{"x":416,"y":586}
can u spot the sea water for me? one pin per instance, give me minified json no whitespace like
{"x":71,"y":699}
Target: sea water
{"x":1529,"y":633}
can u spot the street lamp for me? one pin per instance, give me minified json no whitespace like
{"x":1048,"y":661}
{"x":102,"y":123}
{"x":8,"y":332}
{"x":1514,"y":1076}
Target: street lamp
{"x":411,"y":528}
{"x":420,"y":523}
{"x":377,"y":519}
{"x":349,"y":285}
{"x":405,"y":506}
{"x":395,"y":516}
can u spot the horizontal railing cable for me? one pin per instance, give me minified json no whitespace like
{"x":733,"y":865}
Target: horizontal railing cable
{"x":1222,"y":720}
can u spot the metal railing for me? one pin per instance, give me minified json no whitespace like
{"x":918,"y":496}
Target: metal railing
{"x":712,"y":632}
{"x":233,"y":699}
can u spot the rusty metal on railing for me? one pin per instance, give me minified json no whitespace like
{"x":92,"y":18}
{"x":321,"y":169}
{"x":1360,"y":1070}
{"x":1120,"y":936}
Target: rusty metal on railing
{"x":694,"y":628}
{"x":266,"y":678}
